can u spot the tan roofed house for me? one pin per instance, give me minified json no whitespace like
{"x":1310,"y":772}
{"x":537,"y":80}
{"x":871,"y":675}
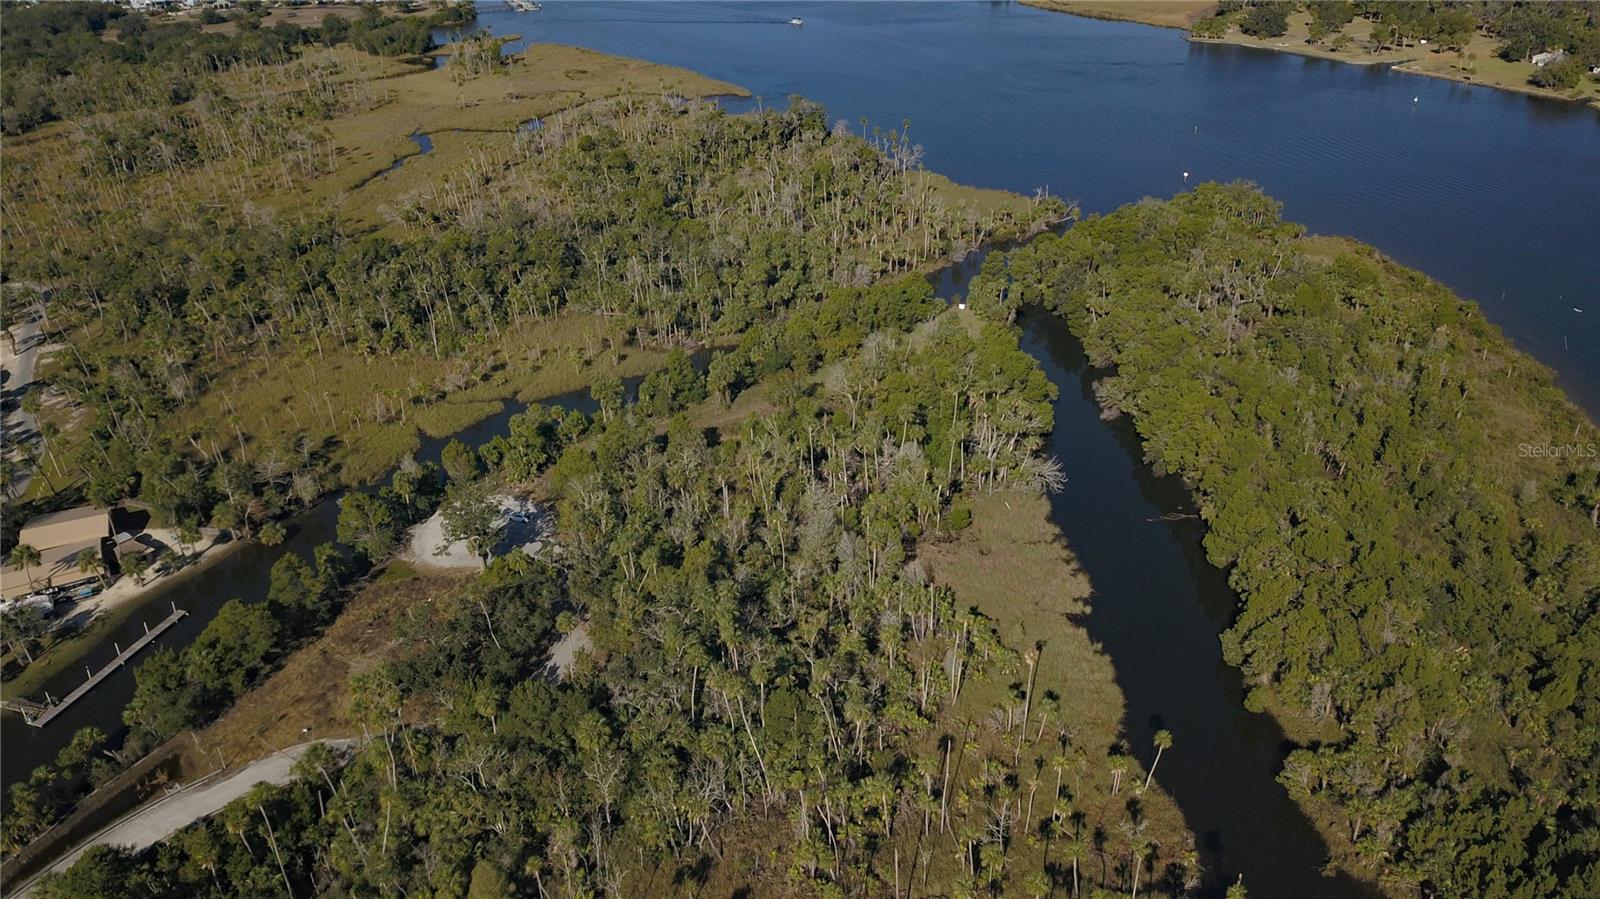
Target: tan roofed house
{"x":68,"y":526}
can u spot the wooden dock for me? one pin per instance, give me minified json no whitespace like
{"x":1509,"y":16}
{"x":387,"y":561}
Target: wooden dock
{"x":40,"y":715}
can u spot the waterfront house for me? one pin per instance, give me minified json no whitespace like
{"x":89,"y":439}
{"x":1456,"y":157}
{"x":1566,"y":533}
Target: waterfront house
{"x":1540,"y":60}
{"x":62,"y":538}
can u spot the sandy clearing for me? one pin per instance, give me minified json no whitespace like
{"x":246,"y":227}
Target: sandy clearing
{"x":523,"y":521}
{"x":567,"y":648}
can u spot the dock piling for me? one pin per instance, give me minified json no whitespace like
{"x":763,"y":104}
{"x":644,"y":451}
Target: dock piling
{"x":53,"y":708}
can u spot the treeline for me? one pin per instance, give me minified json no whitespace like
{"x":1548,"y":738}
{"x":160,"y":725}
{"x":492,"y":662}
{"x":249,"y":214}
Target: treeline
{"x":51,"y":789}
{"x":1418,"y":596}
{"x":971,"y":436}
{"x":766,"y":657}
{"x":180,"y":690}
{"x":72,"y":59}
{"x":1523,"y":29}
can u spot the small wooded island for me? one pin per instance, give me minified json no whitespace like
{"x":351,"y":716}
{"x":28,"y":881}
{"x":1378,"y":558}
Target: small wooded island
{"x":746,"y":581}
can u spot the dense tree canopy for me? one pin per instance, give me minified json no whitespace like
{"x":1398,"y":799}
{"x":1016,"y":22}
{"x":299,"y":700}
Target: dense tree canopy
{"x":1419,"y":586}
{"x":763,"y":651}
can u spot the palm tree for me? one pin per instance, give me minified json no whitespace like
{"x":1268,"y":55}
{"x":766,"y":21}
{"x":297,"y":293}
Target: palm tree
{"x":1059,"y":763}
{"x":1031,"y":656}
{"x":200,"y":845}
{"x":25,"y":557}
{"x":90,"y":562}
{"x":187,"y":535}
{"x":7,"y":321}
{"x":236,"y":818}
{"x":1074,"y":850}
{"x":1138,"y":846}
{"x":1118,"y":765}
{"x":260,"y":794}
{"x":20,"y":627}
{"x":138,"y":566}
{"x":1237,"y":891}
{"x":1163,"y":742}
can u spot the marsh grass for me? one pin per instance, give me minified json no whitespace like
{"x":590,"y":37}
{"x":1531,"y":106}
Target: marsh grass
{"x":1165,"y":13}
{"x":1012,"y":565}
{"x":371,"y":411}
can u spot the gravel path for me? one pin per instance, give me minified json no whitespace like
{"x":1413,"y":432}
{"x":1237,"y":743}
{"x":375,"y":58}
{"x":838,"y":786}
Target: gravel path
{"x":150,"y":825}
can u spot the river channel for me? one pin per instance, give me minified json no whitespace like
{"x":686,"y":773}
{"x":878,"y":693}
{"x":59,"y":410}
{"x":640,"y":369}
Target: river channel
{"x":1494,"y":194}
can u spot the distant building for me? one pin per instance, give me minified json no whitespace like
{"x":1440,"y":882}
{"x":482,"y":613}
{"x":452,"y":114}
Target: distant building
{"x":1540,"y":60}
{"x":61,"y":538}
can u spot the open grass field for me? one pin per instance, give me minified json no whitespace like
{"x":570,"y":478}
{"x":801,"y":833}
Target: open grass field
{"x":1477,"y":63}
{"x":308,"y":16}
{"x":378,"y":406}
{"x":364,"y":412}
{"x":470,"y":119}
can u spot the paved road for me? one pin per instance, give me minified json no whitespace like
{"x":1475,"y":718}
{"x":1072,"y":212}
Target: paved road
{"x":20,"y":367}
{"x":148,"y":826}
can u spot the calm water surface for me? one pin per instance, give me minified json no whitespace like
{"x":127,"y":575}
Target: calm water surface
{"x":1495,"y":194}
{"x":1157,"y":609}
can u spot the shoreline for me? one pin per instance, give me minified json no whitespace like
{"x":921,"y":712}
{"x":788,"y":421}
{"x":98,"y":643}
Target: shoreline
{"x":1409,"y":65}
{"x":1182,"y":15}
{"x":1014,"y":564}
{"x":1398,"y":61}
{"x":110,"y":614}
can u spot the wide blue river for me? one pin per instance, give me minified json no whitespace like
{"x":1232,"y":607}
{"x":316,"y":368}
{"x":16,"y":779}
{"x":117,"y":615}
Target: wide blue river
{"x":1493,"y":193}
